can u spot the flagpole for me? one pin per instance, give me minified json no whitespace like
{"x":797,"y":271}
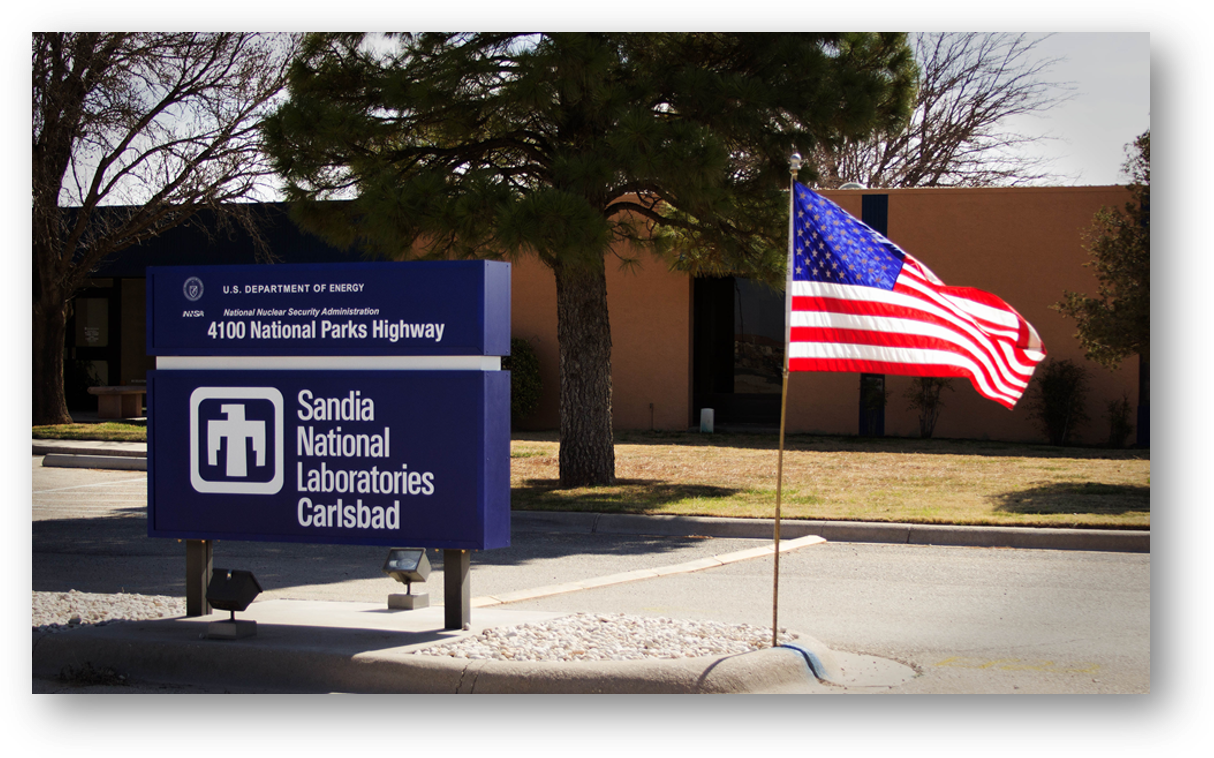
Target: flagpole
{"x":794,"y":164}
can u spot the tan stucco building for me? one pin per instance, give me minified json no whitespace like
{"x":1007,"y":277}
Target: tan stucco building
{"x":674,"y":348}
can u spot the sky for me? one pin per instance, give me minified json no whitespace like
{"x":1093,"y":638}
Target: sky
{"x":1111,"y":106}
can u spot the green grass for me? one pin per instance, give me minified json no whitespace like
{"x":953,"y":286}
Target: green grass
{"x":526,"y":453}
{"x":109,"y":431}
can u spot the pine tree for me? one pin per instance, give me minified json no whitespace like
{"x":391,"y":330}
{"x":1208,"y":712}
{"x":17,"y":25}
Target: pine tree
{"x":563,"y":145}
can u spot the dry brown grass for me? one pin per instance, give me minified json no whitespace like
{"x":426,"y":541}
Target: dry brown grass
{"x":920,"y":481}
{"x":832,"y":478}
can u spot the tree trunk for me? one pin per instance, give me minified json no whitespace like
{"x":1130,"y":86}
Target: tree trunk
{"x":50,"y":325}
{"x":587,"y":452}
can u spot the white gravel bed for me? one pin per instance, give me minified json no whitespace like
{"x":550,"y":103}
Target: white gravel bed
{"x":609,"y":637}
{"x":578,"y":637}
{"x":58,"y":611}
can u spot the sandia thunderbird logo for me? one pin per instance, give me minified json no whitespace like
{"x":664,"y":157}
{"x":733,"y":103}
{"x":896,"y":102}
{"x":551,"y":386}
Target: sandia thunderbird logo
{"x":192,"y":288}
{"x":236,"y":440}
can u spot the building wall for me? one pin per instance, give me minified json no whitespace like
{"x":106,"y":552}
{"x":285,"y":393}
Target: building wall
{"x":1022,"y":244}
{"x":650,"y":311}
{"x":135,"y":360}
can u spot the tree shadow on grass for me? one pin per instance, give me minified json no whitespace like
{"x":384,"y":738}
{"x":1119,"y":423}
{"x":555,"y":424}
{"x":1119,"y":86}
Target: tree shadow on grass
{"x":625,"y":496}
{"x":1077,"y":497}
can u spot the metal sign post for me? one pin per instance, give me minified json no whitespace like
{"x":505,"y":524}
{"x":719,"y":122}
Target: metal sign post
{"x":457,"y":592}
{"x":197,"y":576}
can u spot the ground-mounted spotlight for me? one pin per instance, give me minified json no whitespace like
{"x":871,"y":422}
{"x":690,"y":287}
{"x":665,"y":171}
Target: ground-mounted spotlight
{"x":408,"y":565}
{"x":232,"y":590}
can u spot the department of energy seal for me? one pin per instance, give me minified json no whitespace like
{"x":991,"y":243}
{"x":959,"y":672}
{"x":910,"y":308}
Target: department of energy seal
{"x":192,"y":288}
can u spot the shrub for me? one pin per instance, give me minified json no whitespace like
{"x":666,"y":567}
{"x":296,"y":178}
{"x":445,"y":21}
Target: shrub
{"x":525,"y":385}
{"x":1118,"y":414}
{"x":873,"y":396}
{"x":1057,"y":399}
{"x":923,"y":395}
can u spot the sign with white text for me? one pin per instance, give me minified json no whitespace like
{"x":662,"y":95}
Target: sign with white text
{"x":279,"y":412}
{"x":361,"y":457}
{"x":410,"y":308}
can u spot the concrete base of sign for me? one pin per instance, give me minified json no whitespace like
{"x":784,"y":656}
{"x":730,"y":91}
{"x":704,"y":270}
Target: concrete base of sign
{"x":401,"y":602}
{"x":231,"y":629}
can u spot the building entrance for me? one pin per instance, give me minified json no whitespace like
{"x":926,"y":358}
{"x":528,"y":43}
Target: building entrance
{"x":738,"y":351}
{"x":93,"y":346}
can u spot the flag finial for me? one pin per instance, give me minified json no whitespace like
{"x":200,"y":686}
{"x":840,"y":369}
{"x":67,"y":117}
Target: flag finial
{"x":794,"y":162}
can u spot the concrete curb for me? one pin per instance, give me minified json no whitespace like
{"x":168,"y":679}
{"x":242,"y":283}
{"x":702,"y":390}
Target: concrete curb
{"x":91,"y":447}
{"x":315,"y":657}
{"x":112,"y":462}
{"x":1045,"y":538}
{"x":701,"y":564}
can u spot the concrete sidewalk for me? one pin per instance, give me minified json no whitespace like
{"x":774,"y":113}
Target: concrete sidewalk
{"x":319,"y":646}
{"x":324,"y":646}
{"x":312,"y":646}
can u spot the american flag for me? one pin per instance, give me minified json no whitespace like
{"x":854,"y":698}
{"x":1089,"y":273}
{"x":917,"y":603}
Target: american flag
{"x":856,"y":302}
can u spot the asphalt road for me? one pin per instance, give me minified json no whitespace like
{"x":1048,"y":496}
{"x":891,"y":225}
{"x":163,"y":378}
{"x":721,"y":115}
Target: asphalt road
{"x":971,"y":620}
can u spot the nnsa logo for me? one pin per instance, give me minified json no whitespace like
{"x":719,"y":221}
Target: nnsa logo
{"x":236,"y":440}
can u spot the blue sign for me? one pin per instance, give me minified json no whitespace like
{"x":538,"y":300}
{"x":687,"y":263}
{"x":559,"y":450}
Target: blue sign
{"x":432,"y":308}
{"x":418,"y":458}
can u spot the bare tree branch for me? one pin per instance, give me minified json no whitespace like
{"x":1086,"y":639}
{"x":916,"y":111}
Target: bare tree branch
{"x":160,"y":125}
{"x":970,"y":85}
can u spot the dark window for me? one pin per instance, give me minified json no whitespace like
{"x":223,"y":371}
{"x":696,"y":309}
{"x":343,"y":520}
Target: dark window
{"x":738,"y":349}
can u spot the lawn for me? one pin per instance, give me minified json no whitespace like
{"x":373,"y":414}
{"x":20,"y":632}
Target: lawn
{"x":852,"y":479}
{"x":111,"y":431}
{"x":831,"y":478}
